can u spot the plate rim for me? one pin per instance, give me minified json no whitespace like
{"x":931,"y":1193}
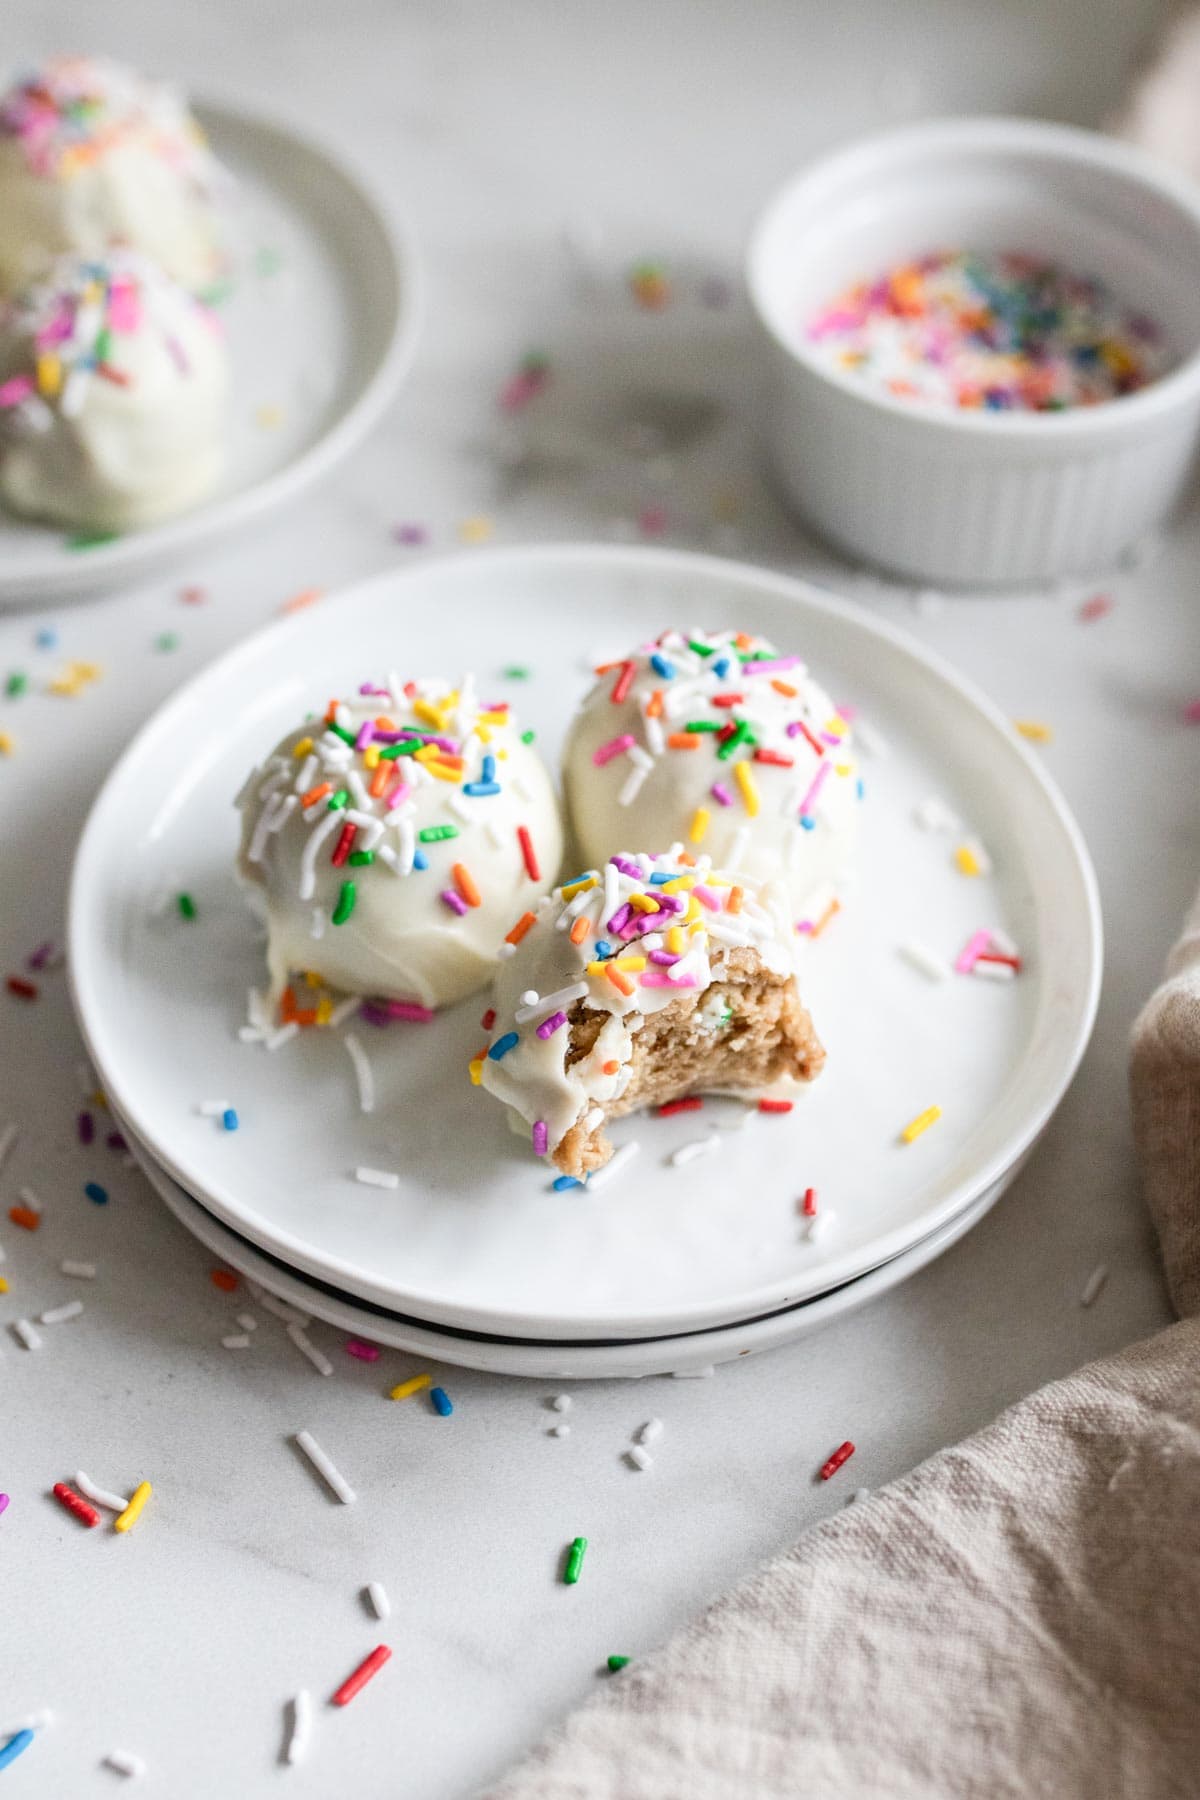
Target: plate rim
{"x":95,"y":571}
{"x":636,"y":559}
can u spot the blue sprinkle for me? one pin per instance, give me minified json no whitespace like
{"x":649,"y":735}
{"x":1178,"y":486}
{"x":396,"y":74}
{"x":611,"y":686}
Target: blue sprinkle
{"x":602,"y":948}
{"x":657,"y":880}
{"x":721,"y":667}
{"x":807,"y":821}
{"x":95,"y":1192}
{"x":442,"y":1402}
{"x":489,"y":768}
{"x":46,"y":638}
{"x":661,"y":666}
{"x":503,"y":1045}
{"x":861,"y":790}
{"x":10,"y":1751}
{"x":563,"y":1182}
{"x":229,"y":1119}
{"x":478,"y":789}
{"x":420,"y":860}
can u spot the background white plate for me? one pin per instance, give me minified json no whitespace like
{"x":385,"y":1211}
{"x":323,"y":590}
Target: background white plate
{"x":319,"y":341}
{"x":475,"y":1238}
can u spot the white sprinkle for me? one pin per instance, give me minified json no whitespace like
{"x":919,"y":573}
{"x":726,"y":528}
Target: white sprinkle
{"x":324,"y":1467}
{"x":992,"y":971}
{"x":934,"y":815}
{"x":377,"y":1595}
{"x":123,"y":1762}
{"x":1095,"y":1282}
{"x":283,"y":1036}
{"x":641,"y":1459}
{"x":701,"y":1374}
{"x":562,"y":1403}
{"x":646,"y":1434}
{"x":343,"y":1010}
{"x":505,"y":951}
{"x":867,"y":738}
{"x":236,"y":1342}
{"x":593,"y":1120}
{"x":559,"y":1431}
{"x":34,"y":1721}
{"x":540,"y":1007}
{"x":81,"y":1270}
{"x":924,"y":960}
{"x":640,"y":758}
{"x":213,"y":1109}
{"x":8,"y":1138}
{"x":301,"y":1727}
{"x":30,"y":1198}
{"x":859,"y":1495}
{"x":99,"y":1495}
{"x":601,"y":1177}
{"x":362,"y":1073}
{"x":308,"y":861}
{"x":23,"y":1330}
{"x":738,"y":848}
{"x":317,"y":1358}
{"x":270,"y":1303}
{"x":818,"y":1227}
{"x":58,"y":1315}
{"x":247,"y":1321}
{"x":631,"y":787}
{"x":1003,"y":945}
{"x":654,"y":735}
{"x":380,"y":1178}
{"x":250,"y":1034}
{"x":687,"y":1153}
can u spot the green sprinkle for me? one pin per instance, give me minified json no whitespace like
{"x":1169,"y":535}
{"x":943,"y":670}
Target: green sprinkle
{"x":103,"y":345}
{"x":618,"y":1662}
{"x":89,"y":540}
{"x":217,"y":293}
{"x":345,"y":904}
{"x":433,"y":834}
{"x":16,"y":684}
{"x":740,"y":735}
{"x":338,"y":800}
{"x":757,"y":655}
{"x":167,"y":640}
{"x":515,"y":673}
{"x":574,"y":1561}
{"x":699,"y":648}
{"x":406,"y":747}
{"x":361,"y":859}
{"x":704,"y":725}
{"x":527,"y":737}
{"x":187,"y":906}
{"x":347,"y":737}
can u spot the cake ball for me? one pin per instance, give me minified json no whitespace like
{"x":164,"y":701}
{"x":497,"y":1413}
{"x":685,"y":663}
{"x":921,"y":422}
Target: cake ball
{"x":114,"y":384}
{"x":392,"y":841}
{"x":91,"y":155}
{"x":645,"y":980}
{"x":717,"y":741}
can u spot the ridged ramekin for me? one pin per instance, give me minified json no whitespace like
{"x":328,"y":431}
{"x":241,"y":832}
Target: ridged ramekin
{"x":963,"y":497}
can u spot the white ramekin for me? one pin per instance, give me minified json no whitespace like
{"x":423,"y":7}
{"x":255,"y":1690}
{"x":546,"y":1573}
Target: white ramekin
{"x":979,"y":497}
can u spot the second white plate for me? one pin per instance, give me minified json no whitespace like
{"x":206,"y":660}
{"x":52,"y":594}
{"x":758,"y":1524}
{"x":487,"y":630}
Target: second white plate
{"x":474,"y":1237}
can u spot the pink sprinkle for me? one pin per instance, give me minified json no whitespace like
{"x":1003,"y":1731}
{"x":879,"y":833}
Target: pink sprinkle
{"x":364,"y":1352}
{"x":971,"y":952}
{"x":652,"y":521}
{"x":15,"y":389}
{"x":830,"y":737}
{"x":1191,"y":712}
{"x":773,"y":667}
{"x":87,"y":1129}
{"x":124,"y":309}
{"x":707,"y":897}
{"x":818,"y":782}
{"x":614,"y":747}
{"x":549,"y":1026}
{"x":721,"y":794}
{"x":410,"y":1011}
{"x":398,"y":792}
{"x":659,"y":978}
{"x":55,"y":331}
{"x":541,"y":1137}
{"x":1096,"y":607}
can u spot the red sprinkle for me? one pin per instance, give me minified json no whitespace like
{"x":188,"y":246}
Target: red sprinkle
{"x":623,"y":683}
{"x":75,"y":1504}
{"x":193,"y":596}
{"x":532,"y":868}
{"x":693,"y":1103}
{"x":225,"y":1279}
{"x":776,"y":758}
{"x":344,"y":845}
{"x":1096,"y":607}
{"x":727,"y":699}
{"x":87,"y":1129}
{"x":489,"y":1018}
{"x":842,"y":1454}
{"x":993,"y":956}
{"x":775,"y":1106}
{"x":810,"y":1203}
{"x":369,"y":1666}
{"x":24,"y":990}
{"x":808,"y":737}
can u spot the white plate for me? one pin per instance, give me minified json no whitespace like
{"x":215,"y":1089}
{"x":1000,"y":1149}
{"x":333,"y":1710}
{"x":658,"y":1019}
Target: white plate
{"x":633,"y":1358}
{"x":474,"y":1238}
{"x":322,"y":343}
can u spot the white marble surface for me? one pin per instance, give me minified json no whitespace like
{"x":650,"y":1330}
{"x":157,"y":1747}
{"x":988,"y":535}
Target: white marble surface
{"x":653,"y":131}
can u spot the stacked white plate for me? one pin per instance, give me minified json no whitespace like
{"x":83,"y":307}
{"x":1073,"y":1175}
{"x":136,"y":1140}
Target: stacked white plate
{"x":474,"y":1258}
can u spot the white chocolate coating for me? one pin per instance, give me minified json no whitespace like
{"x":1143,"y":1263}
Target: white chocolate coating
{"x":755,"y":807}
{"x":411,"y":935}
{"x":658,"y":954}
{"x":114,"y":388}
{"x":93,"y":155}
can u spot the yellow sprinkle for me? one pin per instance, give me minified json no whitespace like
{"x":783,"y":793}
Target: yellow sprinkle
{"x":414,"y":1385}
{"x":844,"y":768}
{"x":494,"y":718}
{"x":693,"y":912}
{"x":311,"y":978}
{"x":699,"y":824}
{"x":84,"y":671}
{"x":745,"y":781}
{"x":675,"y":940}
{"x":268,"y":417}
{"x":483,"y":733}
{"x":476,"y":530}
{"x":371,"y":757}
{"x":49,"y":375}
{"x":579,"y":887}
{"x":303,"y":747}
{"x":921,"y":1123}
{"x":428,"y":714}
{"x":475,"y":1070}
{"x":967,"y":861}
{"x":3,"y":1285}
{"x":7,"y":746}
{"x":644,"y":903}
{"x":1034,"y":730}
{"x":100,"y":1098}
{"x":128,"y":1519}
{"x":631,"y":962}
{"x":596,"y":968}
{"x":836,"y":727}
{"x":442,"y":771}
{"x":679,"y":885}
{"x":324,"y":1010}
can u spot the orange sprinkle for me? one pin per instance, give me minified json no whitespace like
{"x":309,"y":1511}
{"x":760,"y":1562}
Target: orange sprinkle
{"x":299,"y":601}
{"x":317,"y":793}
{"x":306,"y":1015}
{"x":579,"y":929}
{"x":784,"y":687}
{"x":621,"y":982}
{"x":331,"y":712}
{"x":379,"y":780}
{"x":654,"y":705}
{"x":735,"y":900}
{"x":742,"y":641}
{"x":520,"y":928}
{"x":684,"y":740}
{"x":385,"y":722}
{"x":287,"y":1006}
{"x":835,"y":906}
{"x":685,"y":856}
{"x":225,"y":1279}
{"x":25,"y":1217}
{"x":465,"y":883}
{"x":610,"y":1068}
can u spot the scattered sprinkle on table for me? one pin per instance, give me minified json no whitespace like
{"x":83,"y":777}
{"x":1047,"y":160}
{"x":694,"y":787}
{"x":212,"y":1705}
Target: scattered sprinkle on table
{"x":75,"y":1504}
{"x":1095,"y":1282}
{"x":9,"y":1752}
{"x":186,"y":905}
{"x":924,"y":961}
{"x":617,"y":1663}
{"x":841,"y":1455}
{"x":913,"y":1130}
{"x":411,"y":536}
{"x":381,"y":1606}
{"x":123,"y":1762}
{"x":128,"y":1519}
{"x":574,"y":1567}
{"x":1098,"y":607}
{"x":639,"y":1458}
{"x":83,"y":1271}
{"x":1035,"y":730}
{"x":325,"y":1467}
{"x":415,"y":1384}
{"x":298,"y":602}
{"x":225,"y":1279}
{"x":27,"y":1217}
{"x":301,"y":1727}
{"x":58,"y":1315}
{"x":361,"y":1351}
{"x":167,"y":640}
{"x":476,"y":530}
{"x":25,"y":1334}
{"x":20,"y":988}
{"x":442,"y":1403}
{"x":367,"y":1669}
{"x":95,"y":1193}
{"x":650,"y":286}
{"x":380,"y":1178}
{"x":767,"y":1105}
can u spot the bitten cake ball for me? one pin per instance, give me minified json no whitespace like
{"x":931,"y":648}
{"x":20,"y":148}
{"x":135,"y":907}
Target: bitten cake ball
{"x":392,"y":841}
{"x":721,"y":743}
{"x":651,"y":978}
{"x":93,"y":155}
{"x":114,"y":385}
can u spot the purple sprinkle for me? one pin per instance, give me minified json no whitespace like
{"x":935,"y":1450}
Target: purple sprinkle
{"x":665,"y":957}
{"x":721,"y":793}
{"x":410,"y":534}
{"x":793,"y":729}
{"x":673,"y":903}
{"x":374,"y":1015}
{"x":366,"y":732}
{"x":116,"y":1141}
{"x":773,"y":667}
{"x":369,"y":687}
{"x":41,"y":956}
{"x":541,"y":1137}
{"x":454,"y":901}
{"x":364,"y":1352}
{"x":828,"y":737}
{"x":87,"y":1129}
{"x":621,"y":918}
{"x":3,"y":1502}
{"x":554,"y":1023}
{"x":626,"y":867}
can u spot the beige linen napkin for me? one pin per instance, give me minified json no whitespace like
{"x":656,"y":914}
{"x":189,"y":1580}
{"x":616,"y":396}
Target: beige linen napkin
{"x":1019,"y":1616}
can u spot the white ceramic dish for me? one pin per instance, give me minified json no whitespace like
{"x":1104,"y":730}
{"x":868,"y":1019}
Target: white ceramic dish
{"x":319,"y":344}
{"x":964,"y":497}
{"x":565,"y":1362}
{"x":474,"y":1238}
